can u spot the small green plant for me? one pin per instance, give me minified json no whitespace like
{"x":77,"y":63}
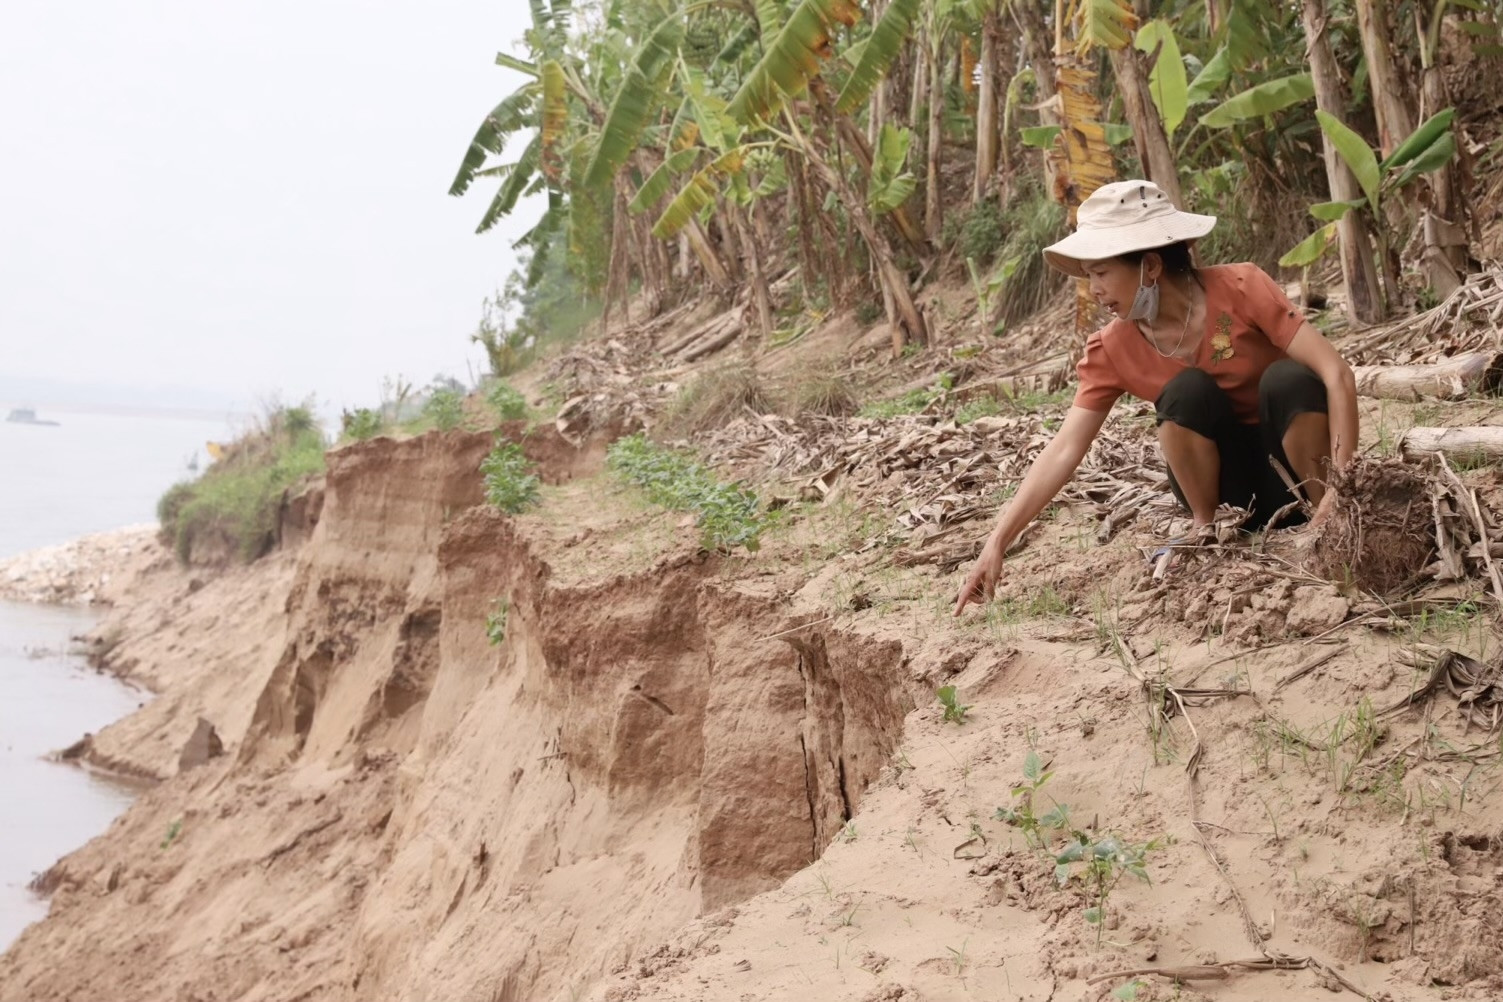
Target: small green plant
{"x":954,"y":711}
{"x":977,"y":407}
{"x":495,"y":621}
{"x":824,"y":393}
{"x":912,"y":402}
{"x":727,"y":514}
{"x":1101,"y":863}
{"x":509,"y":483}
{"x":868,"y":312}
{"x":445,"y":408}
{"x":958,"y":957}
{"x":362,"y":424}
{"x":173,"y":831}
{"x":1023,"y":817}
{"x":1129,"y":991}
{"x":508,"y":403}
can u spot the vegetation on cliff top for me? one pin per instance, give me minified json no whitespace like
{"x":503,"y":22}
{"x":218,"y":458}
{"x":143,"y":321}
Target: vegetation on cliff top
{"x":236,"y":501}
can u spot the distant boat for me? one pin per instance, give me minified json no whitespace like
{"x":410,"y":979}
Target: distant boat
{"x":26,"y":415}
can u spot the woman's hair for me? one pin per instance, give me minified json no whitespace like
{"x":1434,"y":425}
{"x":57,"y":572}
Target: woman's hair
{"x":1176,"y":257}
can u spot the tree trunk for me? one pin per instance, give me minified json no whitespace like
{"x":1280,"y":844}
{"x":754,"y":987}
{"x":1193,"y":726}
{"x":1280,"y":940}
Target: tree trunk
{"x":709,"y":257}
{"x":987,"y":125}
{"x":904,"y":315}
{"x":1454,"y":379}
{"x":855,"y":142}
{"x":932,"y":214}
{"x":760,"y":296}
{"x":1392,"y":110}
{"x":1040,"y":54}
{"x":1483,"y":441}
{"x":1364,"y":301}
{"x":1147,"y":127}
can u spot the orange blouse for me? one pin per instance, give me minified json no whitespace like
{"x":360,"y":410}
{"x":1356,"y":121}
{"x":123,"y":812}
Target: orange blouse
{"x":1249,"y":324}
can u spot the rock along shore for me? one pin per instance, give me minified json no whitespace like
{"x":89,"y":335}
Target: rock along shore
{"x":85,"y":572}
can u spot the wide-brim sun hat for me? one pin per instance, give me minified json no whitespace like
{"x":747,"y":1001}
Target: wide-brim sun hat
{"x":1121,"y":217}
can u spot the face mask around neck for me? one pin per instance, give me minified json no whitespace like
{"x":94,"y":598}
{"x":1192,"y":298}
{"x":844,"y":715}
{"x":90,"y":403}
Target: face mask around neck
{"x":1145,"y":304}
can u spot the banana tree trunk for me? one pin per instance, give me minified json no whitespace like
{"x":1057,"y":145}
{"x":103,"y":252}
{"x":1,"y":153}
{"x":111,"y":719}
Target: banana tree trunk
{"x":1364,"y":302}
{"x":1147,"y":127}
{"x":987,"y":126}
{"x":904,"y":314}
{"x":854,"y":141}
{"x":709,"y":257}
{"x":1039,"y":46}
{"x":761,"y":297}
{"x":1392,"y":110}
{"x":932,"y":213}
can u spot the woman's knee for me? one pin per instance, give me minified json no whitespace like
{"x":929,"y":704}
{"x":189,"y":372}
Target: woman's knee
{"x":1286,"y":390}
{"x":1194,"y":401}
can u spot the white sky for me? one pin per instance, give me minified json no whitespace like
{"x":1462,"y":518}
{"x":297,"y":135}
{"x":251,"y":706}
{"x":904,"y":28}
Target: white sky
{"x":247,"y":198}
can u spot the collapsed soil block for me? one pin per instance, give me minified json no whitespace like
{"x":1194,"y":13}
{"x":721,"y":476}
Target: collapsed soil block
{"x":1380,"y":531}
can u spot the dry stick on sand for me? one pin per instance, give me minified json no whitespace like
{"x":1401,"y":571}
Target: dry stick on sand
{"x":1268,"y":961}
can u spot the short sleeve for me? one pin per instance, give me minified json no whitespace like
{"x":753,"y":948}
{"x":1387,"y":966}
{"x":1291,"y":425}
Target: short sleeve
{"x":1099,"y":385}
{"x":1265,"y":307}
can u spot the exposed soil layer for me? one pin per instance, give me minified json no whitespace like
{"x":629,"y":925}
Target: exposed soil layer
{"x":640,"y":747}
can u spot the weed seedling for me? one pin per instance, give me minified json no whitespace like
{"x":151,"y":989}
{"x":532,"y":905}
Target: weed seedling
{"x":1022,"y":816}
{"x":1102,"y":863}
{"x":954,"y":711}
{"x":173,"y":831}
{"x":495,"y":622}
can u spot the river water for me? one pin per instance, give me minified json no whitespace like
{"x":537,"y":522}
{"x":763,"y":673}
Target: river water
{"x":90,"y":473}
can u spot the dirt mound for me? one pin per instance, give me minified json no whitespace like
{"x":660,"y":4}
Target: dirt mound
{"x":1380,"y":532}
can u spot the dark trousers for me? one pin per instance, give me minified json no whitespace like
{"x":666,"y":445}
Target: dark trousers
{"x":1288,"y":389}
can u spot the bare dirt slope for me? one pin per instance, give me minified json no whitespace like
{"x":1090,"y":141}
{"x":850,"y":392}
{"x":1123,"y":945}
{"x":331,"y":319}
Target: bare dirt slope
{"x":568,"y":755}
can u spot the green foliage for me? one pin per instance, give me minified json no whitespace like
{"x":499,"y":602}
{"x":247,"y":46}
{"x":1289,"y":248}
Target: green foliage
{"x":1166,"y":82}
{"x":1261,"y":100}
{"x":727,"y":514}
{"x":981,"y":231}
{"x":362,"y":424}
{"x":495,"y":622}
{"x":510,"y":484}
{"x":173,"y":831}
{"x":1023,"y":815}
{"x":238,"y":498}
{"x":954,"y":711}
{"x":912,"y":402}
{"x":445,"y":408}
{"x":890,"y":184}
{"x":1101,"y":862}
{"x":881,"y":48}
{"x":791,"y":59}
{"x":508,"y":403}
{"x":635,"y":101}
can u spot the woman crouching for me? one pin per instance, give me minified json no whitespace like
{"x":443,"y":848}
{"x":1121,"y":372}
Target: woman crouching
{"x":1235,"y":372}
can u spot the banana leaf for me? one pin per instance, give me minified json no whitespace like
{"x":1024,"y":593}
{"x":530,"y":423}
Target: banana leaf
{"x":658,"y":182}
{"x":555,"y":118}
{"x":1310,"y":249}
{"x":793,"y":58}
{"x":512,"y":115}
{"x":882,"y":47}
{"x":1264,"y":99}
{"x":635,"y":102}
{"x":1107,"y":23}
{"x":1420,"y":140}
{"x":1355,"y":152}
{"x":1210,"y":78}
{"x":1166,"y":82}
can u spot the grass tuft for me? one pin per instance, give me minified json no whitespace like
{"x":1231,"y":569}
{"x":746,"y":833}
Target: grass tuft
{"x":238,"y":498}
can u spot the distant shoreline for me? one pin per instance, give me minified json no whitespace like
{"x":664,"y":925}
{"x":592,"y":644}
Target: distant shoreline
{"x":44,"y":408}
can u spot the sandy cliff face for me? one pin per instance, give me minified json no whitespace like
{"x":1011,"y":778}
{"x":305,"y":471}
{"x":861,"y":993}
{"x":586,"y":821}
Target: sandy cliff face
{"x":407,"y":810}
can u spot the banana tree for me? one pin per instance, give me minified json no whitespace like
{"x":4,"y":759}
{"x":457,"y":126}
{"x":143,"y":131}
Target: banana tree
{"x":1429,"y":148}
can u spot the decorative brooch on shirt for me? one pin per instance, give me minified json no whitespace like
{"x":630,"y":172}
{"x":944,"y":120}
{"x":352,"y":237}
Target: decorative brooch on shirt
{"x":1221,"y":341}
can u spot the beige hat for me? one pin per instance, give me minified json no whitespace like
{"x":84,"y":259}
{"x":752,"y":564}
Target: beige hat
{"x":1120,"y":217}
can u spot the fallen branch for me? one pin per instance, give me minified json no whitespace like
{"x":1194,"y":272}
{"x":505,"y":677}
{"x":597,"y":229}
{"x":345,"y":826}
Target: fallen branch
{"x":1452,"y":379}
{"x":1466,"y":443}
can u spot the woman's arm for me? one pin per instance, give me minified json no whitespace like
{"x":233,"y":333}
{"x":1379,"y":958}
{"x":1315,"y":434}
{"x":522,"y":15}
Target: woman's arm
{"x":1049,"y":473}
{"x":1309,"y":347}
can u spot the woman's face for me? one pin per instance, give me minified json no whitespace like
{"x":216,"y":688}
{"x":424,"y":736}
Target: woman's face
{"x":1114,"y":282}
